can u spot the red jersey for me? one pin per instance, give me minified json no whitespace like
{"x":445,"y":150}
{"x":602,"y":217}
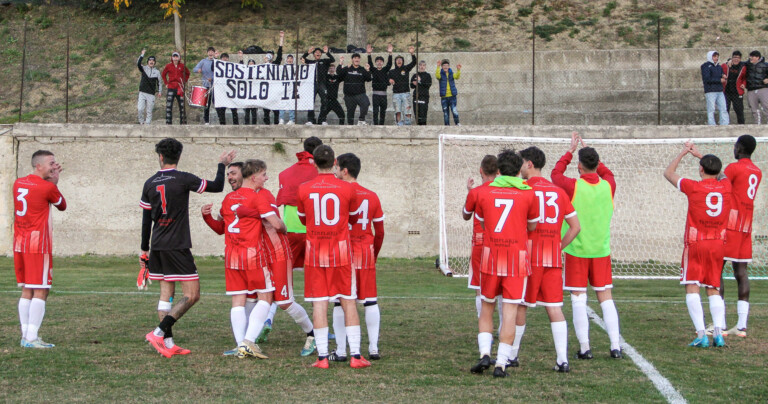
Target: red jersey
{"x":569,"y":184}
{"x":554,"y":207}
{"x":32,"y":225}
{"x":469,"y":208}
{"x":361,"y":232}
{"x":709,"y":204}
{"x":326,"y":204}
{"x":293,"y":176}
{"x":745,"y":178}
{"x":174,"y":77}
{"x":505,"y":213}
{"x":244,"y":229}
{"x":275,"y":245}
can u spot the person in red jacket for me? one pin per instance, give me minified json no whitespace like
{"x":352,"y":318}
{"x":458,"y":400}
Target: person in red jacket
{"x":736,"y":80}
{"x":175,"y":76}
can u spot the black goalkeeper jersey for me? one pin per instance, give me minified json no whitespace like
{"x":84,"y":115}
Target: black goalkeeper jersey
{"x":166,"y":195}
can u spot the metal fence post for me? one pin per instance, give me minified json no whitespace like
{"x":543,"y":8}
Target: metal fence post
{"x":23,"y":66}
{"x":66,"y":94}
{"x":416,"y":100}
{"x":658,"y":71}
{"x":533,"y":72}
{"x":296,"y":79}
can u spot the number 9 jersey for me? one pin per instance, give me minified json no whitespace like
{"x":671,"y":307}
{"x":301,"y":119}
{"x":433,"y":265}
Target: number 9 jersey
{"x":709,"y":207}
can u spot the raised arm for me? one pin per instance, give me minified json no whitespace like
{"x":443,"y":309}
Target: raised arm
{"x":410,"y":66}
{"x":218,"y":184}
{"x":605,"y":173}
{"x":138,"y":63}
{"x":671,"y":172}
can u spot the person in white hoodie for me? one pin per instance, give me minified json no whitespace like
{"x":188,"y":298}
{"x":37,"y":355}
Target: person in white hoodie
{"x":148,"y":88}
{"x":713,"y":79}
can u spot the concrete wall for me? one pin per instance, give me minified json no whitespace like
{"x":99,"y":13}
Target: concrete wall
{"x":106,"y":166}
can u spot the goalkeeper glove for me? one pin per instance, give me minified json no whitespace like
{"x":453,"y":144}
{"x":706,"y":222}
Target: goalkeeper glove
{"x":142,"y":281}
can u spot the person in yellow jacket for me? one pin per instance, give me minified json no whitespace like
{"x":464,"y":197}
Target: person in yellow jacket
{"x":446,"y":78}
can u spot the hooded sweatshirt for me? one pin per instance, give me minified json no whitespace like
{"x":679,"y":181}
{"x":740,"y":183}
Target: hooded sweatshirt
{"x":711,"y":73}
{"x":150,"y":78}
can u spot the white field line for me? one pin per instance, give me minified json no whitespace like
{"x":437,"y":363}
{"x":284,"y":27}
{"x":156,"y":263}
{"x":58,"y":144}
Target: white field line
{"x":662,"y":384}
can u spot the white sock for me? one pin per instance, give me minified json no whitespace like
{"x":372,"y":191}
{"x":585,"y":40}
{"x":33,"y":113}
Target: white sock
{"x":256,"y":320}
{"x":519,"y":331}
{"x":300,"y":316}
{"x":272,"y":311}
{"x":24,"y":316}
{"x":503,"y":355}
{"x":321,"y":341}
{"x":716,"y":308}
{"x":36,"y":314}
{"x":372,"y":322}
{"x":239,"y":323}
{"x":169,"y":342}
{"x":611,"y":318}
{"x":249,"y":305}
{"x":693,"y":301}
{"x":353,"y":336}
{"x":742,"y":309}
{"x":580,"y":320}
{"x":484,"y":342}
{"x":478,"y":305}
{"x":158,"y":332}
{"x":560,"y":335}
{"x":164,"y":306}
{"x":339,"y":328}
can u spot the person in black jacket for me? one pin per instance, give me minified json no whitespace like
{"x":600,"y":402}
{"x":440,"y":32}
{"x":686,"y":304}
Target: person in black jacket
{"x":269,"y":57}
{"x":757,"y":86}
{"x":420,"y":83}
{"x":148,"y":88}
{"x":332,"y":101}
{"x":398,"y":78}
{"x":354,"y":77}
{"x":321,"y":71}
{"x":222,"y":112}
{"x":380,"y":82}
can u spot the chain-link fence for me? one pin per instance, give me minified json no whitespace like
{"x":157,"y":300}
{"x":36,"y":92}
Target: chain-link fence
{"x":88,"y":73}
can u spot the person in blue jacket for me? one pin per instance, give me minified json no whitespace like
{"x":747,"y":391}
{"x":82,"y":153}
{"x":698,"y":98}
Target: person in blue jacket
{"x":713,"y":78}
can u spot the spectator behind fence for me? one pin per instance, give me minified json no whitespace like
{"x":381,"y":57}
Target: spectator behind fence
{"x":175,"y":76}
{"x":148,"y":87}
{"x":398,"y":78}
{"x":269,"y":57}
{"x":757,"y":85}
{"x":332,"y":100}
{"x":714,"y":79}
{"x":354,"y":77}
{"x":379,"y":83}
{"x":736,"y":76}
{"x":205,"y":67}
{"x":221,"y":112}
{"x":250,"y":113}
{"x":321,"y":71}
{"x":420,"y":83}
{"x":447,"y":80}
{"x":291,"y":112}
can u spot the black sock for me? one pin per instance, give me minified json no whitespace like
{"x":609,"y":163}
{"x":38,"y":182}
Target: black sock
{"x":166,"y":324}
{"x":356,"y":356}
{"x":168,"y":334}
{"x":311,"y":333}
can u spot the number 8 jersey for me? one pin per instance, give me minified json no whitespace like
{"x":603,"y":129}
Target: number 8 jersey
{"x":326,"y":204}
{"x":709,"y":206}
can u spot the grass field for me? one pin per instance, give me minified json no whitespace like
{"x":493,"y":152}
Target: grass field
{"x":97,"y":319}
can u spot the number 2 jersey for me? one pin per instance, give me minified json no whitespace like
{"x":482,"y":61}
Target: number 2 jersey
{"x":709,"y":204}
{"x":32,"y":224}
{"x":369,"y":213}
{"x":554,"y":207}
{"x":745,"y":178}
{"x":327,"y":204}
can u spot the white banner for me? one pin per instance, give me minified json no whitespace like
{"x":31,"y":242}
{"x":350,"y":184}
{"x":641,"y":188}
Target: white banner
{"x":268,"y":86}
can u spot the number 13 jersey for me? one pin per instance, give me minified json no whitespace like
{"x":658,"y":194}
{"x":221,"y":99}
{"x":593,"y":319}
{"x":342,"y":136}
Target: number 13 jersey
{"x":554,"y":207}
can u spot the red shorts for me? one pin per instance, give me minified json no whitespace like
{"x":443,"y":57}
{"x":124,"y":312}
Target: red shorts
{"x":33,"y":270}
{"x":366,"y":285}
{"x":545,"y":287}
{"x":282,"y":279}
{"x":702,"y":264}
{"x":511,"y":288}
{"x":298,"y":242}
{"x":242,"y":282}
{"x":580,"y":270}
{"x":329,"y":283}
{"x":738,"y":246}
{"x":474,"y":267}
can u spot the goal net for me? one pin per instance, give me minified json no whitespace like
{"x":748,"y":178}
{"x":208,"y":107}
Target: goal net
{"x":649,"y":217}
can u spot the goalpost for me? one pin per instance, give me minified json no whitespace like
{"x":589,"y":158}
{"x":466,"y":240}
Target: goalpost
{"x":649,"y":215}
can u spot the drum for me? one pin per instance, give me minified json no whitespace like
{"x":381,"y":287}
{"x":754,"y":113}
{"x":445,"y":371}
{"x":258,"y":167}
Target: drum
{"x":199,"y":97}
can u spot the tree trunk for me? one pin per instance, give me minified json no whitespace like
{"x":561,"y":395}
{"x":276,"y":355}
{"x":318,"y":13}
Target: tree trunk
{"x":356,"y":33}
{"x":177,"y":32}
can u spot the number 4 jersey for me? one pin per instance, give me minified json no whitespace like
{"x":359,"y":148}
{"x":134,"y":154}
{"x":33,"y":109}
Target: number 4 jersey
{"x":708,"y":208}
{"x":554,"y":207}
{"x":32,"y":227}
{"x":368,"y":213}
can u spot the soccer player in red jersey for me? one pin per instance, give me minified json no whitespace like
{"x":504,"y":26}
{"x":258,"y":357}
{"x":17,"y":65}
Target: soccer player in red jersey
{"x":508,"y":210}
{"x":367,"y":236}
{"x":588,"y":256}
{"x":709,"y":207}
{"x":545,"y":285}
{"x":326,"y":205}
{"x":289,"y":181}
{"x":32,"y":242}
{"x":165,"y":200}
{"x":745,"y":177}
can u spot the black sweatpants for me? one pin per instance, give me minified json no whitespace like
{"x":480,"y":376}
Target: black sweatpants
{"x":379,"y":109}
{"x":352,"y":102}
{"x":332,"y":104}
{"x":173,"y":95}
{"x":422,"y":106}
{"x":267,"y":112}
{"x":738,"y":105}
{"x":207,"y":110}
{"x":322,"y":92}
{"x":250,"y":116}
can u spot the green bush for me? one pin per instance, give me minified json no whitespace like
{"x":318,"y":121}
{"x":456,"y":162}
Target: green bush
{"x":524,"y":11}
{"x":461,"y":43}
{"x":609,"y":8}
{"x":750,"y":17}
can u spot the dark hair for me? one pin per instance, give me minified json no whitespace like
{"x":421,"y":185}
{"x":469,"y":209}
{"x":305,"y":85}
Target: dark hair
{"x":711,"y":164}
{"x":736,"y":53}
{"x":238,"y":164}
{"x":355,"y":55}
{"x":445,"y":62}
{"x":535,"y":156}
{"x":211,"y":48}
{"x":252,"y":167}
{"x":379,"y":58}
{"x":350,"y":162}
{"x":589,"y":158}
{"x":755,"y":53}
{"x":170,"y":149}
{"x":311,"y":143}
{"x":746,"y":144}
{"x":399,"y":57}
{"x":224,"y":55}
{"x":509,"y":162}
{"x":317,"y":50}
{"x":37,"y":155}
{"x":324,"y":157}
{"x":489,"y":165}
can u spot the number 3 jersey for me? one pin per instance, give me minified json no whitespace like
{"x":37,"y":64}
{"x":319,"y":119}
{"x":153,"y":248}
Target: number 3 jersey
{"x":368,"y":212}
{"x":745,"y":178}
{"x":709,"y":204}
{"x":554,"y":207}
{"x":327,"y":203}
{"x":32,"y":225}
